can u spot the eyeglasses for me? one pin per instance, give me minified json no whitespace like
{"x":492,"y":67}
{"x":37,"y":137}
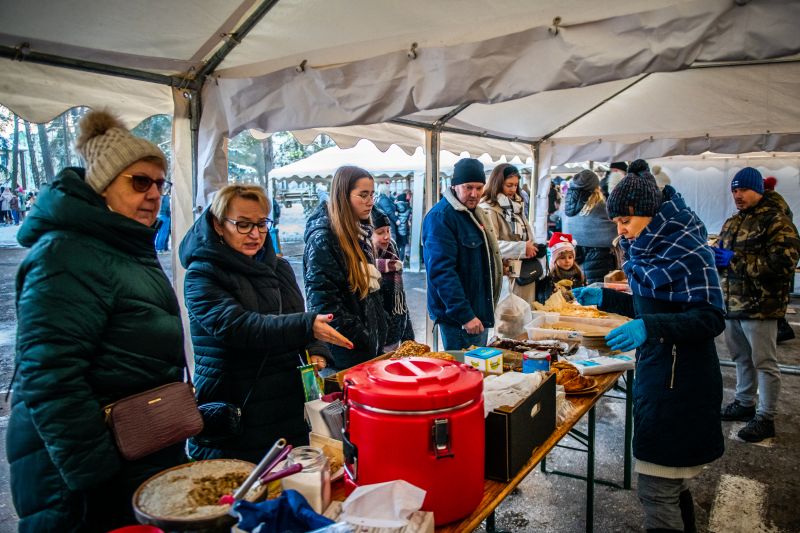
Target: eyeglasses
{"x":245,"y":226}
{"x":367,"y":196}
{"x":142,"y":183}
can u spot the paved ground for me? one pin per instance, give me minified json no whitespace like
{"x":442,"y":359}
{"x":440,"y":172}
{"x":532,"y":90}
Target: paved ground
{"x":753,"y":488}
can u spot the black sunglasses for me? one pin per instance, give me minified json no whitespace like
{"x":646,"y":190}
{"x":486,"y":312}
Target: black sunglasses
{"x":142,"y":183}
{"x":245,"y":226}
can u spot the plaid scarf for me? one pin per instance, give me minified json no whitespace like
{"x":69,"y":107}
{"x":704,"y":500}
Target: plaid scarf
{"x":394,"y":297}
{"x":365,"y":241}
{"x":670,"y":259}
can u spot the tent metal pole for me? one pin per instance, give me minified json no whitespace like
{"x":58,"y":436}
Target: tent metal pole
{"x":534,"y":184}
{"x":591,"y":109}
{"x":233,"y":39}
{"x":449,"y":129}
{"x":31,"y":56}
{"x":431,"y":196}
{"x":444,"y":119}
{"x":195,"y":111}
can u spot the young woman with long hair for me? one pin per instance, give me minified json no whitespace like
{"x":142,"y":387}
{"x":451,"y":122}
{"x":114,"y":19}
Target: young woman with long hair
{"x":504,"y":210}
{"x":339,"y":267}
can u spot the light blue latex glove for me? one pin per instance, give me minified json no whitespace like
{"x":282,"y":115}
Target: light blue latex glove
{"x":628,"y":336}
{"x":588,"y":295}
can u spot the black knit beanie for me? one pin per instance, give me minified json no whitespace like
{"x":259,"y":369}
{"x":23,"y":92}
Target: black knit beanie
{"x":636,"y":195}
{"x":379,"y":218}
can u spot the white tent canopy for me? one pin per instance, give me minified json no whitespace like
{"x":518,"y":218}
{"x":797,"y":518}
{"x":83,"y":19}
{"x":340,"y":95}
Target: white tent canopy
{"x":287,"y":65}
{"x":366,"y":155}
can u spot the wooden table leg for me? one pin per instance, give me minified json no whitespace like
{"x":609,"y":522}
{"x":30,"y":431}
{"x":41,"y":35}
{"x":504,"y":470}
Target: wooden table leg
{"x":626,"y":481}
{"x":490,"y":525}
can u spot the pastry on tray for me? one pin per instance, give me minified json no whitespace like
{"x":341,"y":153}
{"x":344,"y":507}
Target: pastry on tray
{"x":410,"y":349}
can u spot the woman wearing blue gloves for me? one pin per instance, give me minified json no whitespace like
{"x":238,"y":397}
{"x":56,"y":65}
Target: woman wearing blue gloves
{"x":677,"y":308}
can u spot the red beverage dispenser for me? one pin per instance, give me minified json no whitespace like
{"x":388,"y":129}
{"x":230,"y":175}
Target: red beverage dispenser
{"x":420,"y":420}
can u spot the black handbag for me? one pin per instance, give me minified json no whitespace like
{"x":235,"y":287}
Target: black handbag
{"x":531,"y":268}
{"x":223,"y":420}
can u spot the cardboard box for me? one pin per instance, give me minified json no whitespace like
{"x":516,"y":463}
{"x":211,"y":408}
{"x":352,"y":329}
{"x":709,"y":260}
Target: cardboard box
{"x":487,"y":360}
{"x":512,"y":433}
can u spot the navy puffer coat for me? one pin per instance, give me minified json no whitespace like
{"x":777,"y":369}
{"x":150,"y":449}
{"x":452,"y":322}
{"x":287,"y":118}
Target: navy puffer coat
{"x":678,"y":389}
{"x":244,"y":310}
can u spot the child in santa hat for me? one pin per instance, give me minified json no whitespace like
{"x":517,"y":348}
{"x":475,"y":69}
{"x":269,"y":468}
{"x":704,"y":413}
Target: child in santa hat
{"x":562,"y":263}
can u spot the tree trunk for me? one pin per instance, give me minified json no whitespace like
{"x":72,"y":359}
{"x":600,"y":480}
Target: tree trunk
{"x":32,"y":154}
{"x":23,"y":176}
{"x":269,"y":162}
{"x":67,"y":141}
{"x":47,"y":161}
{"x":15,"y":154}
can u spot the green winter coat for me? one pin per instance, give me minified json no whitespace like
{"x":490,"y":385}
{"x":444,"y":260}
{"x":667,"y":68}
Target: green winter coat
{"x":766,"y":249}
{"x":97,"y":321}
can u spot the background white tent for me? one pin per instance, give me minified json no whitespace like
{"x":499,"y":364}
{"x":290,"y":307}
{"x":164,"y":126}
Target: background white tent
{"x":705,"y":181}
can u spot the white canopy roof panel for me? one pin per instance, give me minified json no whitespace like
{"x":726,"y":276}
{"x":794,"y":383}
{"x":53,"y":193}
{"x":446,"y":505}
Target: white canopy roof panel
{"x":39,"y":93}
{"x":367,"y":156}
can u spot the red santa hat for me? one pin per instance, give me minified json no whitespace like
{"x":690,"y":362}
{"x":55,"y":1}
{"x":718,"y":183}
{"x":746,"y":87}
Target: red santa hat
{"x":560,"y":242}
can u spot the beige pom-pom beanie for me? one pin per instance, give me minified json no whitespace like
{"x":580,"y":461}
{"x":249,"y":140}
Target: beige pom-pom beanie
{"x":107,"y":147}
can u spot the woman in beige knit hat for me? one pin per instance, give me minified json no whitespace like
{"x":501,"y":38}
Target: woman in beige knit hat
{"x":97,"y":321}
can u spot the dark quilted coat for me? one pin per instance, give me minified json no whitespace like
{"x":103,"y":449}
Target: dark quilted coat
{"x":98,"y":321}
{"x":244,"y":311}
{"x":678,"y":389}
{"x":363,"y":321}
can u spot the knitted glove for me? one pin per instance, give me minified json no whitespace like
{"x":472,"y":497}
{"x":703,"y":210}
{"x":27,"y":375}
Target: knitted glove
{"x":588,"y":295}
{"x":628,"y":336}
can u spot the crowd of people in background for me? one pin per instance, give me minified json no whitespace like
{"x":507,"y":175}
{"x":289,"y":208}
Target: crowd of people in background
{"x":250,"y":326}
{"x":14,"y":205}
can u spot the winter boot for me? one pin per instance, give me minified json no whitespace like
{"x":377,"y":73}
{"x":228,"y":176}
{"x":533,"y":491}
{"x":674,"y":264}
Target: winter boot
{"x":737,"y":411}
{"x":757,"y":429}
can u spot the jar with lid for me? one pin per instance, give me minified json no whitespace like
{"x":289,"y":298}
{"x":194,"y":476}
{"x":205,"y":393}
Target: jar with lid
{"x":314,"y":481}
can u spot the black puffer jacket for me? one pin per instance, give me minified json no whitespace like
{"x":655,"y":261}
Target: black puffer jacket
{"x":243,"y":310}
{"x":364,"y":322}
{"x":678,"y":387}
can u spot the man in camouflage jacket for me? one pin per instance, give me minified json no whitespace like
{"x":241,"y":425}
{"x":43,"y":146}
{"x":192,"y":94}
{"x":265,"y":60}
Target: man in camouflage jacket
{"x":758,"y":251}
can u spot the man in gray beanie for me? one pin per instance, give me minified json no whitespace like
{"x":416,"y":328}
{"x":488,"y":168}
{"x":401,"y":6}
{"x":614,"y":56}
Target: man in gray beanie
{"x":462,"y":260}
{"x":586,"y":219}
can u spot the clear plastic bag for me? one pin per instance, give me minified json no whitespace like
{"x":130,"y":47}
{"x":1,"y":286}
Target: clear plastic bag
{"x":511,"y":315}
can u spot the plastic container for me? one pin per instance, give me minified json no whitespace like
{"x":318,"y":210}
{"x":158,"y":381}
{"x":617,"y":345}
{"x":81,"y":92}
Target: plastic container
{"x":550,"y":317}
{"x":420,"y":420}
{"x":536,"y":331}
{"x":314,"y":481}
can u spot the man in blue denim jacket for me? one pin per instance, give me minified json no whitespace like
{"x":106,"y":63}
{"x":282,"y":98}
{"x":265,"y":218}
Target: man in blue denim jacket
{"x":462,"y":260}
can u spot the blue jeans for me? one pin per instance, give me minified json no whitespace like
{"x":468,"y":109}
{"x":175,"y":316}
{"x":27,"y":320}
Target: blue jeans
{"x":456,"y":338}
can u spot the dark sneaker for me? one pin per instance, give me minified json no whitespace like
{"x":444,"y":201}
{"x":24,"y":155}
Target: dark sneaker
{"x":737,"y":411}
{"x":758,"y":429}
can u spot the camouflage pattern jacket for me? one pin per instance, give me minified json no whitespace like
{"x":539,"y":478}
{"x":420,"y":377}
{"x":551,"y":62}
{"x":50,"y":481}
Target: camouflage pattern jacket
{"x":766,"y":248}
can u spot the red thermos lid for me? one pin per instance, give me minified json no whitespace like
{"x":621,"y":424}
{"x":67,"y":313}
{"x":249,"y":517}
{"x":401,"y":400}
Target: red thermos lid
{"x":413,"y":384}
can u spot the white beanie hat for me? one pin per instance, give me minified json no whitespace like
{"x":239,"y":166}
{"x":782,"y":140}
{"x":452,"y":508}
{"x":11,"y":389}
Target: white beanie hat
{"x":108,"y":148}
